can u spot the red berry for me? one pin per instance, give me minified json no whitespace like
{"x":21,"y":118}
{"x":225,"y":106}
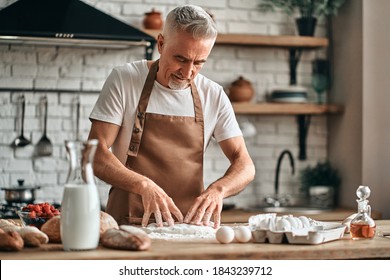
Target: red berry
{"x":32,"y":214}
{"x":46,"y":209}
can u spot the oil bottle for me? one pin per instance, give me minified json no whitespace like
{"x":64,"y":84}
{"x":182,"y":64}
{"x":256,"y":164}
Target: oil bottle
{"x":363,"y":226}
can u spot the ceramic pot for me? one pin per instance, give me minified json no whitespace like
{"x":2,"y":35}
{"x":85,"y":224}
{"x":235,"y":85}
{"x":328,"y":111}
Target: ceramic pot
{"x":153,"y":20}
{"x":322,"y":196}
{"x":306,"y":26}
{"x":241,"y":90}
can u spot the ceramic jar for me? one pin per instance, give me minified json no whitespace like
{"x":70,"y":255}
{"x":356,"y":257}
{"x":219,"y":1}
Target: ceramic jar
{"x":241,"y":90}
{"x":153,"y":20}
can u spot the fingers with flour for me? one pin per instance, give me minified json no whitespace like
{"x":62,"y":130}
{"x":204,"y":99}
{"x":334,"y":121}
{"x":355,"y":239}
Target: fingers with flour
{"x":207,"y":205}
{"x":156,"y":201}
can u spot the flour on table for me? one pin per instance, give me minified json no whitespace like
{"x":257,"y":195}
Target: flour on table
{"x":180,"y":231}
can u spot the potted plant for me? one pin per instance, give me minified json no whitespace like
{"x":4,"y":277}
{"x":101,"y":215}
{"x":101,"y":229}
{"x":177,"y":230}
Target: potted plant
{"x":309,"y":11}
{"x":321,"y":183}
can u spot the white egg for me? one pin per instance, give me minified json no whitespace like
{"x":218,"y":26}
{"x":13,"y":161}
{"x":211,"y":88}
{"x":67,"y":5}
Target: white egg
{"x":293,"y":222}
{"x":299,"y":222}
{"x":243,"y":234}
{"x":283,"y":225}
{"x":305,"y":221}
{"x":264,"y":223}
{"x":225,"y":234}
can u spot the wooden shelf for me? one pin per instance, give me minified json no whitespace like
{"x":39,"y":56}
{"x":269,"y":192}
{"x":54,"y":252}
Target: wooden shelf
{"x":245,"y":108}
{"x":302,"y":111}
{"x":272,"y":41}
{"x":287,"y":41}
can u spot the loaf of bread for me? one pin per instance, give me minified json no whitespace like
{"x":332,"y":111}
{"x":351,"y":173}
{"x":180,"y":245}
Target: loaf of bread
{"x":106,"y":222}
{"x":10,"y":240}
{"x":31,"y":236}
{"x":126,"y":240}
{"x":7,"y":225}
{"x":134,"y":230}
{"x":52,"y":228}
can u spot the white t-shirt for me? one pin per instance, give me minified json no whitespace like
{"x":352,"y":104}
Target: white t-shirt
{"x":121,"y":92}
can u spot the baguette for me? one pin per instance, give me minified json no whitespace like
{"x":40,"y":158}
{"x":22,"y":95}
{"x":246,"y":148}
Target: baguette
{"x":125,"y":240}
{"x":10,"y":240}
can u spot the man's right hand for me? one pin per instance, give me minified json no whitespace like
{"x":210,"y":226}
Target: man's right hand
{"x":157,"y":202}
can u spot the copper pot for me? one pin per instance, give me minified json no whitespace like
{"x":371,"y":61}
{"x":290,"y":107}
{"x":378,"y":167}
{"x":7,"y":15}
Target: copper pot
{"x":153,"y":20}
{"x":241,"y":90}
{"x":20,"y":193}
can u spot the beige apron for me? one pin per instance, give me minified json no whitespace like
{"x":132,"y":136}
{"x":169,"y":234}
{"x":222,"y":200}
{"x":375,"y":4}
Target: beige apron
{"x":168,"y":150}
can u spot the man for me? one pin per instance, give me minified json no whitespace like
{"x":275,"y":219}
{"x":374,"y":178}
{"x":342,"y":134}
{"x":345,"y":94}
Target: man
{"x":158,"y":118}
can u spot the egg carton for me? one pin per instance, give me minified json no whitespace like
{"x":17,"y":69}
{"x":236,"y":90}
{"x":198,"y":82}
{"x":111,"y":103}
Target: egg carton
{"x":314,"y":235}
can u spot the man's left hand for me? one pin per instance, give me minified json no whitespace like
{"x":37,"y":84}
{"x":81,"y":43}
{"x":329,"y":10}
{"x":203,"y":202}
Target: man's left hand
{"x":206,"y":206}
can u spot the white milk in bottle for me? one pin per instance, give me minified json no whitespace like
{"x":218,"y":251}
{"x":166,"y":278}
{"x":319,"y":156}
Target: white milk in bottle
{"x":80,"y":208}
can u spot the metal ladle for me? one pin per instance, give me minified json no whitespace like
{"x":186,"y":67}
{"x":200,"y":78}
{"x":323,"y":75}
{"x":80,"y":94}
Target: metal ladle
{"x":21,"y":141}
{"x":44,"y":146}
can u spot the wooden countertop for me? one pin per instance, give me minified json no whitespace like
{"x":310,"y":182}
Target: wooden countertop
{"x":345,"y":248}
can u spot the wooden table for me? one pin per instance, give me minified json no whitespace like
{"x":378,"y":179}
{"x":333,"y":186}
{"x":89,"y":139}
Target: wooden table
{"x":345,"y":248}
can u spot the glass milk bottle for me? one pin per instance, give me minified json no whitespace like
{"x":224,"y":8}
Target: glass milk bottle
{"x":80,"y":208}
{"x":363,"y":226}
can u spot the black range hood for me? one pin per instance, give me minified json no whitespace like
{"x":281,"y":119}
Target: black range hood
{"x":67,"y":23}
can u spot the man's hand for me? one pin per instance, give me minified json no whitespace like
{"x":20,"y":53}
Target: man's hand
{"x":207,"y":205}
{"x":238,"y":175}
{"x":157,"y":202}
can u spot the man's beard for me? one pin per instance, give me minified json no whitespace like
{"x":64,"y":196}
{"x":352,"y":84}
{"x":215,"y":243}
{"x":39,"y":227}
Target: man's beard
{"x":172,"y":84}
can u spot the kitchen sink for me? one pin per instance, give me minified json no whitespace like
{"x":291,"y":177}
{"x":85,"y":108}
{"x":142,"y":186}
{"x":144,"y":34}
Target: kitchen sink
{"x":290,"y":209}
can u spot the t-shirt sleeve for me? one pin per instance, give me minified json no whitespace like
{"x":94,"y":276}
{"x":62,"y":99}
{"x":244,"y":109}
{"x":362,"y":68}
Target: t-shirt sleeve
{"x":226,"y":126}
{"x":109,"y":106}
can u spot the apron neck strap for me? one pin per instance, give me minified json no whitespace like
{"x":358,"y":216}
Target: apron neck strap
{"x":147,"y":90}
{"x":197,"y":104}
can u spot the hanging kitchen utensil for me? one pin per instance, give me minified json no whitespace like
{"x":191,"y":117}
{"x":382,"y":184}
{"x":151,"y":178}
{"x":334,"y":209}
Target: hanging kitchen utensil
{"x":44,"y":146}
{"x":77,"y":119}
{"x":21,"y":141}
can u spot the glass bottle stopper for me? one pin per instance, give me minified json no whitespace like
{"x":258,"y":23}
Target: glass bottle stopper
{"x":363,"y":192}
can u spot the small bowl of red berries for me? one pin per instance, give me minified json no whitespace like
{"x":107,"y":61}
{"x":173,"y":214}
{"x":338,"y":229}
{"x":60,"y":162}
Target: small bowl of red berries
{"x":37,"y":214}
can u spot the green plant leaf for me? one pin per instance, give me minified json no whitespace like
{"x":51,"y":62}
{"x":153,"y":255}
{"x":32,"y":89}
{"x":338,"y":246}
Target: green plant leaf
{"x":322,"y":174}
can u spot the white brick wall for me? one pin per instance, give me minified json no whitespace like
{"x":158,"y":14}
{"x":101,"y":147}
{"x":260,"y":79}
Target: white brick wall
{"x":86,"y":69}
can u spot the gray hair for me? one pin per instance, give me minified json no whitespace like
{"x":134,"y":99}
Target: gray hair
{"x":191,"y":19}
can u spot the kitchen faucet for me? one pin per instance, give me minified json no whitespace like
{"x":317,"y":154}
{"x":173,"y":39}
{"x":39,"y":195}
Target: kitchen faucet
{"x":276,"y":200}
{"x":285,"y":152}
